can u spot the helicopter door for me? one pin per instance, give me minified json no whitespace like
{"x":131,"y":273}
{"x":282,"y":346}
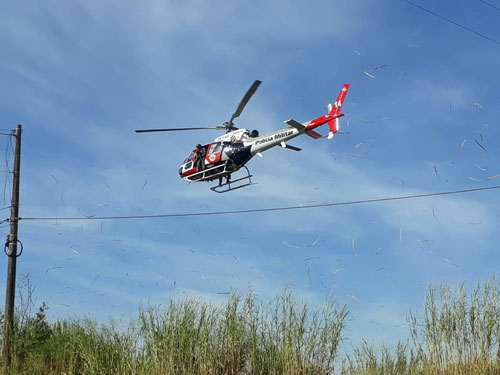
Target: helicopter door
{"x":214,"y":153}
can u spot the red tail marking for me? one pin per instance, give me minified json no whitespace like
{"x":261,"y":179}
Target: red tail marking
{"x":337,"y":106}
{"x":334,"y":113}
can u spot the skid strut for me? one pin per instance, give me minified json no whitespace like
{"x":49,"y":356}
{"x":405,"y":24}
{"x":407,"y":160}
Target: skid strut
{"x":230,"y":185}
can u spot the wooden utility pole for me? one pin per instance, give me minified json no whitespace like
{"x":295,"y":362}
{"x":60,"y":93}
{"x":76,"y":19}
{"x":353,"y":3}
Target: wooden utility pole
{"x":11,"y":251}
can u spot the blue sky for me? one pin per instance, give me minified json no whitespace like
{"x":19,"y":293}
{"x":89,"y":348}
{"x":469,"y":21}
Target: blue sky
{"x":80,"y":77}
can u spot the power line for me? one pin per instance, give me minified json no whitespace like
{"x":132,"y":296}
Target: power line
{"x":491,"y":5}
{"x":259,"y":210}
{"x":453,"y":22}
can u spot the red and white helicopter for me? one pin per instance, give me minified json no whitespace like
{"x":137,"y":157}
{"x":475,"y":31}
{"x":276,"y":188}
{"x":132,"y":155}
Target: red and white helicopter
{"x":230,"y":152}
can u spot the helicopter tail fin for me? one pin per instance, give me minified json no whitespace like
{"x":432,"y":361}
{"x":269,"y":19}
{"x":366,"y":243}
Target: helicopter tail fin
{"x":334,"y":109}
{"x":334,"y":127}
{"x":332,"y":118}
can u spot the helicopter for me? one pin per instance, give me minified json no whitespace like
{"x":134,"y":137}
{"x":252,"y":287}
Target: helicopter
{"x":230,"y":152}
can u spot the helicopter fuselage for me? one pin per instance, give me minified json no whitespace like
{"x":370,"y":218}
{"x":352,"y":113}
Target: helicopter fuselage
{"x":224,"y":155}
{"x":231,"y":151}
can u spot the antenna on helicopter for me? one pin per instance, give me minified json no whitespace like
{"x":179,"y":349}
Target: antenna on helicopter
{"x":228,"y":126}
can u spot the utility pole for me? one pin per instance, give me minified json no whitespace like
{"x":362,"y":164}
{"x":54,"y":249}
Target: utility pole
{"x":11,"y":251}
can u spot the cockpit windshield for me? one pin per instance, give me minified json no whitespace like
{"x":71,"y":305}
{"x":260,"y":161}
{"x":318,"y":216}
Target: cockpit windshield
{"x":192,"y":155}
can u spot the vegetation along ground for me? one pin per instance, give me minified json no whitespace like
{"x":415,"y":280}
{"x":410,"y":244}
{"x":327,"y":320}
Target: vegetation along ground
{"x":459,"y":333}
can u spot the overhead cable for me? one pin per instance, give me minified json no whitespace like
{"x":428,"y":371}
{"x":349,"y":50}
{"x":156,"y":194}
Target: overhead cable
{"x":491,"y":5}
{"x":259,"y":210}
{"x":451,"y":21}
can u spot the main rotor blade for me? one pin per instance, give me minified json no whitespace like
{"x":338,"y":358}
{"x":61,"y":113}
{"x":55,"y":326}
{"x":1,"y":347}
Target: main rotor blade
{"x":171,"y":129}
{"x":245,"y":100}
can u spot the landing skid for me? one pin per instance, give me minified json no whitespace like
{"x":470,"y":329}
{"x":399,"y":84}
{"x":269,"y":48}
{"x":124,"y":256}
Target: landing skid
{"x":230,"y":185}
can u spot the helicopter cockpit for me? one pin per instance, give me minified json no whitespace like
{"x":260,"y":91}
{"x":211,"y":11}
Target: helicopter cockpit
{"x":194,"y":162}
{"x":187,"y":166}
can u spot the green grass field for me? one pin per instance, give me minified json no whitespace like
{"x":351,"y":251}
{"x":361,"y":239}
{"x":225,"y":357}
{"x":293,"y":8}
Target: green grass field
{"x":459,"y":333}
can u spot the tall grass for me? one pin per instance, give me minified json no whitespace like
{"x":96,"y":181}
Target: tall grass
{"x":368,"y":360}
{"x":243,"y":337}
{"x":459,"y":334}
{"x":83,"y":347}
{"x":191,"y":337}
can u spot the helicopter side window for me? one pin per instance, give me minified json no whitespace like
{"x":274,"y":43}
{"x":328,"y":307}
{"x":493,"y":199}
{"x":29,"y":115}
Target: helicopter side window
{"x":215,"y":147}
